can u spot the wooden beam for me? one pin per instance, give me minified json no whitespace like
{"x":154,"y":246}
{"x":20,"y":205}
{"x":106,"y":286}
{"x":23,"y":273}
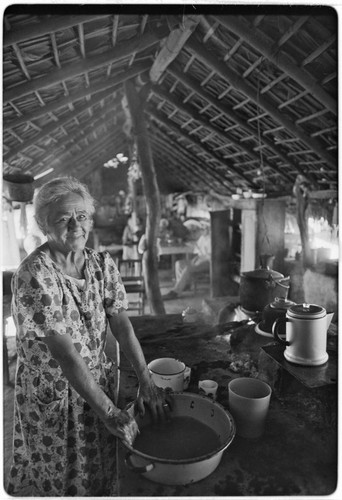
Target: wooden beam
{"x":173,"y":45}
{"x":219,"y":132}
{"x":268,"y":48}
{"x":232,"y":115}
{"x":325,"y":194}
{"x":75,"y":138}
{"x":52,"y":25}
{"x":172,"y":126}
{"x":83,"y":66}
{"x":185,"y":162}
{"x":54,"y":126}
{"x":106,"y":87}
{"x":72,"y":165}
{"x":244,"y":87}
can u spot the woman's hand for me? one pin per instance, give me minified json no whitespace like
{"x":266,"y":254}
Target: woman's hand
{"x":155,"y":398}
{"x":123,"y":425}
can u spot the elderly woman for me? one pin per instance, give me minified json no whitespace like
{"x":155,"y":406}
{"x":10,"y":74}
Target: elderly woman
{"x":64,"y":295}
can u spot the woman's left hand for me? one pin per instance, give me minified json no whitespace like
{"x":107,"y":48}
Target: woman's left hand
{"x":157,"y":399}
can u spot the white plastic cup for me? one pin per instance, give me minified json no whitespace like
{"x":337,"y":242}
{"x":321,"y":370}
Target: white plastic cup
{"x":187,"y":376}
{"x":208,"y":388}
{"x":249,"y":401}
{"x":168,"y":373}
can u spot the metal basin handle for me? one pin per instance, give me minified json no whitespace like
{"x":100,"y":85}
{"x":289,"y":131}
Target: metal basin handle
{"x":134,"y":468}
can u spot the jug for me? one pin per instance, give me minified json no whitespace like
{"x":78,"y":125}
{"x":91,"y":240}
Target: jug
{"x":306,"y":334}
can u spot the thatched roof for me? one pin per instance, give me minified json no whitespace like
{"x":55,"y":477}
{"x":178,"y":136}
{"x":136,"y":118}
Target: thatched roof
{"x":236,"y":96}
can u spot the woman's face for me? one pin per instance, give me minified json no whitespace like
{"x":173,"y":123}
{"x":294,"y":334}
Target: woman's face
{"x":69,"y":223}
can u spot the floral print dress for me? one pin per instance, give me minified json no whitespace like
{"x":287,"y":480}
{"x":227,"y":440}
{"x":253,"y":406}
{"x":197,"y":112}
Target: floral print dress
{"x":61,"y":447}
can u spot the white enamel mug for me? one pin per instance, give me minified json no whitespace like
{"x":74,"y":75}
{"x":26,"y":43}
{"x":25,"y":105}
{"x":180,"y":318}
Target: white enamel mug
{"x":168,"y":373}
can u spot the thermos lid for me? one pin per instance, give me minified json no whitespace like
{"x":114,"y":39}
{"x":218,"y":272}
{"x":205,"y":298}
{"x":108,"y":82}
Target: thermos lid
{"x":307,"y":311}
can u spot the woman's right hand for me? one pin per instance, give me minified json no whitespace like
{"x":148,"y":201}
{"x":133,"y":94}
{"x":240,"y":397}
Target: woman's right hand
{"x":123,"y":425}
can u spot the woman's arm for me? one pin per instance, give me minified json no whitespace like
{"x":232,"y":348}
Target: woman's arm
{"x":153,"y":396}
{"x":77,"y":372}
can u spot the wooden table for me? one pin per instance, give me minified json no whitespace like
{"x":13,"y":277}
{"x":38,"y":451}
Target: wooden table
{"x":177,"y":250}
{"x":297,"y":453}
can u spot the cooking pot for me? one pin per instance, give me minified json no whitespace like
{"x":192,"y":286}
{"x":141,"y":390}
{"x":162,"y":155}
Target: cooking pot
{"x":188,"y":470}
{"x":261,"y":286}
{"x":306,"y":334}
{"x":168,"y":373}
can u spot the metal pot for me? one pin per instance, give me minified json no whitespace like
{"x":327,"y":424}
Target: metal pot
{"x":260,"y":287}
{"x":189,"y":470}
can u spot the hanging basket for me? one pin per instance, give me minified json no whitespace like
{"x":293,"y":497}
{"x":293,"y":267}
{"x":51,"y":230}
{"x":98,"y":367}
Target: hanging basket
{"x":18,"y":187}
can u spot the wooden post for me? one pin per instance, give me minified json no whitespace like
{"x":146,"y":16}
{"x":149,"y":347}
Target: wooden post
{"x":301,"y":192}
{"x":222,"y":254}
{"x":152,"y":196}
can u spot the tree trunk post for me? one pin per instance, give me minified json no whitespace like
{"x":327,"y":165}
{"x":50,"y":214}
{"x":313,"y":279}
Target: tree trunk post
{"x":152,"y":196}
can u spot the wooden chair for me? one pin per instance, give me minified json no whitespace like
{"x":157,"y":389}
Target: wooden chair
{"x":202,"y":277}
{"x":133,"y":279}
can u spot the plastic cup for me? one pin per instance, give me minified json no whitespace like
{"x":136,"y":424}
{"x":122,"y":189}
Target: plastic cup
{"x":208,"y":388}
{"x":249,"y":401}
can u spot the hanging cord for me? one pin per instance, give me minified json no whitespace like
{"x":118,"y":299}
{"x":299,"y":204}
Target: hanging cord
{"x":262,"y":170}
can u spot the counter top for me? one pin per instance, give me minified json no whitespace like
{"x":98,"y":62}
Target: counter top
{"x":297,"y":455}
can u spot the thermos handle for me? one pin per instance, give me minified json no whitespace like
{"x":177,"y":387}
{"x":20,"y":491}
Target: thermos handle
{"x":275,"y":326}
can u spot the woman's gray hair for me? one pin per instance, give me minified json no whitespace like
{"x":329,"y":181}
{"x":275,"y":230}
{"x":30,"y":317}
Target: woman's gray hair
{"x":53,"y":191}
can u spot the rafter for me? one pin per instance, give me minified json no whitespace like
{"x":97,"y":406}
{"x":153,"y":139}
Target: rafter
{"x":49,"y":129}
{"x":266,"y":47}
{"x":230,"y":113}
{"x":78,"y":136}
{"x":221,"y":133}
{"x":172,"y":126}
{"x":111,"y":84}
{"x":240,"y":84}
{"x":90,"y":63}
{"x":35,"y":30}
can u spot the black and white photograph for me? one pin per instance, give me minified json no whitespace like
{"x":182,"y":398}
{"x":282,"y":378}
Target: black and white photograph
{"x":170,"y":250}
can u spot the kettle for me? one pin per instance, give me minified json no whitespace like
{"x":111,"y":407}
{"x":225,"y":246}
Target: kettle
{"x":306,"y":334}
